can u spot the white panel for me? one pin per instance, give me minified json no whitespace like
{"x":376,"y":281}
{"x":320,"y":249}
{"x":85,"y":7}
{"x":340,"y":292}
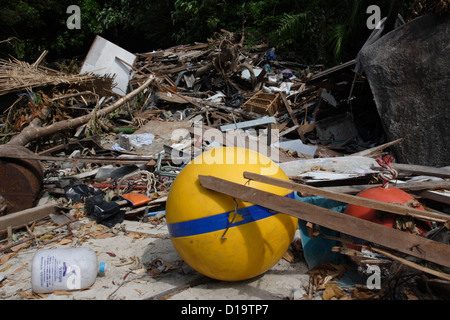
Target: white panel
{"x":102,"y":59}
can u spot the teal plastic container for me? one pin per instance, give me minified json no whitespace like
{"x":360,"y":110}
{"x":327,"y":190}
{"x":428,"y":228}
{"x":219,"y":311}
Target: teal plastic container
{"x":317,"y":250}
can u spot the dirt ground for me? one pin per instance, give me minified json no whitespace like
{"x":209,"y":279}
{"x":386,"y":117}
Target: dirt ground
{"x":129,"y":249}
{"x":141,"y":260}
{"x":142,"y":263}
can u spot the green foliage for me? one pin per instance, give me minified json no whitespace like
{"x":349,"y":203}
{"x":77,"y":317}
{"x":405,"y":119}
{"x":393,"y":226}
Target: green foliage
{"x":138,"y":25}
{"x":15,"y":45}
{"x":40,"y":25}
{"x":320,"y":31}
{"x":125,"y":130}
{"x":195,"y":20}
{"x":327,"y":32}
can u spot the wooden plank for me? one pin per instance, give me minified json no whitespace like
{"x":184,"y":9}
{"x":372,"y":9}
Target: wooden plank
{"x":171,"y":70}
{"x":294,"y":119}
{"x":100,"y":159}
{"x":407,"y":187}
{"x":331,"y":72}
{"x":435,"y":196}
{"x":23,"y":217}
{"x":282,"y":125}
{"x":369,"y":203}
{"x":375,"y":151}
{"x":404,"y":242}
{"x":285,"y":132}
{"x":414,"y":265}
{"x":422,"y":170}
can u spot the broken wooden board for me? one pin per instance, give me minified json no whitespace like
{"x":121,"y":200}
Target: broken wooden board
{"x":294,"y":119}
{"x":434,"y":195}
{"x":99,"y":159}
{"x":375,"y":151}
{"x":403,"y":242}
{"x":420,"y":189}
{"x":422,"y":170}
{"x":21,"y":218}
{"x":369,"y":203}
{"x":331,"y":72}
{"x":407,"y":187}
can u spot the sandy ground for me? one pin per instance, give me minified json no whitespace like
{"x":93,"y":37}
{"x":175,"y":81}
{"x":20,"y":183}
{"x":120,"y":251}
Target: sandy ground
{"x":141,"y":260}
{"x":142,"y":263}
{"x":129,"y":249}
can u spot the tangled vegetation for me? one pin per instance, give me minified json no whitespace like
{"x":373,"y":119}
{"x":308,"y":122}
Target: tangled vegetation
{"x":319,"y":32}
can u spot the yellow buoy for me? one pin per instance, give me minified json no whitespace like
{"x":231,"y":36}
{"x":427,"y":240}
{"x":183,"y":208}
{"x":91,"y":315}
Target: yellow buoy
{"x":222,"y":237}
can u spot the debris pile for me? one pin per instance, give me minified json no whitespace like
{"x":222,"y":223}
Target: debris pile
{"x":106,"y":149}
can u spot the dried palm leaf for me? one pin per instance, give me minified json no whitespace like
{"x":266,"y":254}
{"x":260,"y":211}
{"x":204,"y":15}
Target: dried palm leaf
{"x":19,"y":76}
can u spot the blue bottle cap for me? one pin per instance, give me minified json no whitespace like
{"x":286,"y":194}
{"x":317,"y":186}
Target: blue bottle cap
{"x":102,"y":267}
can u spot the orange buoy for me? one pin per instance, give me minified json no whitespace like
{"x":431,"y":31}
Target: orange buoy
{"x":388,"y":194}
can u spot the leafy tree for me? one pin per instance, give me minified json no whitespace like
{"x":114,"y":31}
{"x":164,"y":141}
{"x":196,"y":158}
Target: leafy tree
{"x":328,"y":31}
{"x":320,"y":31}
{"x":41,"y":25}
{"x":138,"y":25}
{"x":198,"y":19}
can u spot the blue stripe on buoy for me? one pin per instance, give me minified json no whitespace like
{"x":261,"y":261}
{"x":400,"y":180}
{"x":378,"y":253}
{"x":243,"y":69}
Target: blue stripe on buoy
{"x":220,"y":221}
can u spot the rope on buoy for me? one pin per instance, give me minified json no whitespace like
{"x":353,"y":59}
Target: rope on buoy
{"x":232,"y":220}
{"x":387,"y":173}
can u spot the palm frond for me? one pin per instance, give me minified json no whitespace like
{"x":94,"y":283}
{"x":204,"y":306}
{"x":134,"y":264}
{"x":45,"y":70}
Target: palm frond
{"x":356,"y":12}
{"x":293,"y":23}
{"x":337,"y":38}
{"x":16,"y":76}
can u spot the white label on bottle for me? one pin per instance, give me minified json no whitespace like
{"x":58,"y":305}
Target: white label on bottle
{"x":53,"y":271}
{"x":74,"y":279}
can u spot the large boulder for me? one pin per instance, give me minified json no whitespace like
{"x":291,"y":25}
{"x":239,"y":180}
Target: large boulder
{"x":408,"y":70}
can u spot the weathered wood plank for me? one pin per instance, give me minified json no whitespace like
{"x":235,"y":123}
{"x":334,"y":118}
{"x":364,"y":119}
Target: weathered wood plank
{"x":375,"y":151}
{"x":406,"y":243}
{"x":422,"y":170}
{"x":374,"y":204}
{"x":435,"y":196}
{"x":23,"y":217}
{"x":407,"y":187}
{"x":294,"y":119}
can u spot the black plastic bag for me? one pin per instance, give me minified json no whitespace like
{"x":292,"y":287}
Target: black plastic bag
{"x":106,"y":213}
{"x":79,"y":193}
{"x":235,"y":101}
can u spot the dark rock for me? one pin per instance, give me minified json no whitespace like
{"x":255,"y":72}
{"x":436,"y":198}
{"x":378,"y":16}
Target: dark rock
{"x":408,"y":72}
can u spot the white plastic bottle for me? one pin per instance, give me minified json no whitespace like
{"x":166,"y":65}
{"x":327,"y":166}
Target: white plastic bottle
{"x":64,"y":269}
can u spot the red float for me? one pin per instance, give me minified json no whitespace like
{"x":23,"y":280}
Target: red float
{"x":388,"y":194}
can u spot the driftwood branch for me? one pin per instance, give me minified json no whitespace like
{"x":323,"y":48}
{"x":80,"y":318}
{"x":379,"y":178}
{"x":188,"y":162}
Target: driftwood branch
{"x":33,"y":132}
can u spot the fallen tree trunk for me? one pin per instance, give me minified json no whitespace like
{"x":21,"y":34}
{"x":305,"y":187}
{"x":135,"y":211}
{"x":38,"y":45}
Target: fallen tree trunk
{"x":33,"y":132}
